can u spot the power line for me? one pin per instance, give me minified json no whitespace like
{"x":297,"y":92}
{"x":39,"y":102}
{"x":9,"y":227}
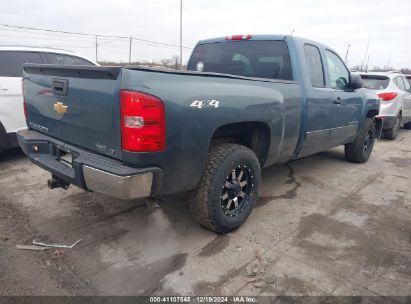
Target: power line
{"x":93,"y":35}
{"x":48,"y":34}
{"x":57,"y":47}
{"x":40,"y":38}
{"x":127,"y":52}
{"x":202,"y":19}
{"x":69,"y":38}
{"x":185,"y":9}
{"x":90,"y":40}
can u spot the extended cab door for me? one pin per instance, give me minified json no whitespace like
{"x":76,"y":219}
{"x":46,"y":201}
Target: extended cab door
{"x":319,"y":103}
{"x":347,"y":104}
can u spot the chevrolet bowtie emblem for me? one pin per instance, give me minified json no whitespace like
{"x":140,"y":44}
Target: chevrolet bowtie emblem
{"x":60,"y":108}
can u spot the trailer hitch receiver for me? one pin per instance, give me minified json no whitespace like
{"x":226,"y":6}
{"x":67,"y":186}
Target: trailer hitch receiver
{"x":55,"y":182}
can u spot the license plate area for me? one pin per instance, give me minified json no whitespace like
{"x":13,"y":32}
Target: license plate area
{"x":65,"y":157}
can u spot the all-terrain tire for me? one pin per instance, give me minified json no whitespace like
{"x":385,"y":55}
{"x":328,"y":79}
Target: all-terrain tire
{"x":207,"y":202}
{"x":392,"y":132}
{"x":360,"y":149}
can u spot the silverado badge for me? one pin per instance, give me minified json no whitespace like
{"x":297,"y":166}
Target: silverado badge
{"x":60,"y":108}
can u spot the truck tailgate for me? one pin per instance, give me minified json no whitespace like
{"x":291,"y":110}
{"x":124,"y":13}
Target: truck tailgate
{"x":78,"y":105}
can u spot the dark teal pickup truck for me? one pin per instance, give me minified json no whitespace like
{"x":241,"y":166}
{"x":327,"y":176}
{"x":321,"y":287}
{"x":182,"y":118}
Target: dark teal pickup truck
{"x":245,"y":102}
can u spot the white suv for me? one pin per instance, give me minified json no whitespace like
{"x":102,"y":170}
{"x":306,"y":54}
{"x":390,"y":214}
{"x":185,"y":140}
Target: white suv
{"x":395,"y":93}
{"x":12,"y":59}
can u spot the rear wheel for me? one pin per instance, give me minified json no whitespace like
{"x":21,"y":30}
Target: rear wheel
{"x":392,"y":133}
{"x":360,"y":149}
{"x":228,"y":188}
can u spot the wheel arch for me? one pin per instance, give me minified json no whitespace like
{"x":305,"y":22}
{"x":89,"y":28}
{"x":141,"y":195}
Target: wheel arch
{"x":254,"y":135}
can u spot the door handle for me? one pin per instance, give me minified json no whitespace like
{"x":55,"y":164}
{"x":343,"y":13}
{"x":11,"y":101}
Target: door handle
{"x":338,"y":100}
{"x":59,"y":86}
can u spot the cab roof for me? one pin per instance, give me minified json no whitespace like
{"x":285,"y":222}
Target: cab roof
{"x":253,"y":37}
{"x":273,"y":37}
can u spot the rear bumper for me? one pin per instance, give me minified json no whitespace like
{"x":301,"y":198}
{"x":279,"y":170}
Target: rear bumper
{"x":88,"y":170}
{"x":124,"y":187}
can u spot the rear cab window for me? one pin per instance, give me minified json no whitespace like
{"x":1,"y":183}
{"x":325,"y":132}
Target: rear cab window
{"x":375,"y":82}
{"x":260,"y":59}
{"x":11,"y":62}
{"x":64,"y":59}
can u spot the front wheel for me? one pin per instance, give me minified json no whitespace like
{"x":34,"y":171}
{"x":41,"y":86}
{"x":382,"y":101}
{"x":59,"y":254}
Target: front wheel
{"x":227,"y":189}
{"x":360,"y":149}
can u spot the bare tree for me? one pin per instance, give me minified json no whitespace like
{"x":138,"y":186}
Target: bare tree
{"x":166,"y":62}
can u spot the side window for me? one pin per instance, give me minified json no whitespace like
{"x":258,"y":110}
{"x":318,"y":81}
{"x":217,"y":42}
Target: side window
{"x":66,"y":59}
{"x":315,"y":66}
{"x":337,"y":72}
{"x":399,"y":83}
{"x":11,"y":62}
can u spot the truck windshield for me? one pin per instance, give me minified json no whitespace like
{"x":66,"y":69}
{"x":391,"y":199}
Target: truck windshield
{"x":375,"y":82}
{"x":262,"y":59}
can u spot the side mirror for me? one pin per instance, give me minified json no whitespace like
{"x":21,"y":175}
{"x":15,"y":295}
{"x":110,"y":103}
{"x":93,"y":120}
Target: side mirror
{"x":355,"y":82}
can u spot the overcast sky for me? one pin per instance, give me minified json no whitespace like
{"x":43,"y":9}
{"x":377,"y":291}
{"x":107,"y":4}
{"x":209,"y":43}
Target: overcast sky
{"x":334,"y":23}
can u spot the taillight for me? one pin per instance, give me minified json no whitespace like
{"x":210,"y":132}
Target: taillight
{"x":239,"y":37}
{"x":387,"y":96}
{"x":26,"y":113}
{"x":142,"y":122}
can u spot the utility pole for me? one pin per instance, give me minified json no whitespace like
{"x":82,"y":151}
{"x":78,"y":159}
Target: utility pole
{"x":368,"y":61}
{"x":366,"y":52}
{"x":346,"y":54}
{"x":129,"y":50}
{"x":181,"y":34}
{"x":388,"y":64}
{"x":96,"y":49}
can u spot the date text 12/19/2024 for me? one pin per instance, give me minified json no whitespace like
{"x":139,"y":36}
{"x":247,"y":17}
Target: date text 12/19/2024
{"x":203,"y":299}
